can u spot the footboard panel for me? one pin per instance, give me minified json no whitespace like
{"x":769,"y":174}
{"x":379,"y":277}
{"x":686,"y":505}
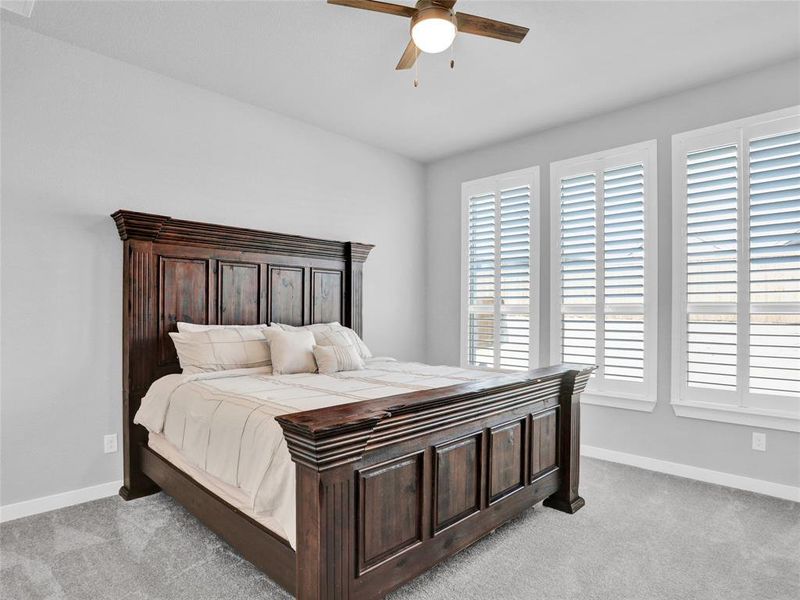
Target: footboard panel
{"x":388,"y":488}
{"x":418,"y":508}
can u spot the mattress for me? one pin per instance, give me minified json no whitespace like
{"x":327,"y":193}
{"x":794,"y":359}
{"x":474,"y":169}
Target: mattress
{"x":220,"y":427}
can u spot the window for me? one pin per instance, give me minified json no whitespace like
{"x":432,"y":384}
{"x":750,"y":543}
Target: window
{"x":603,"y":272}
{"x":499,"y":325}
{"x":736,"y":272}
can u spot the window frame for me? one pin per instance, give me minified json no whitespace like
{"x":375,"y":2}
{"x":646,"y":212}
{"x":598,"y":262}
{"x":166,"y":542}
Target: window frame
{"x":607,"y":392}
{"x":741,"y":406}
{"x":530,"y":177}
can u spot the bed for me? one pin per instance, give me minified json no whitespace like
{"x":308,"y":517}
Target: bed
{"x":366,"y":479}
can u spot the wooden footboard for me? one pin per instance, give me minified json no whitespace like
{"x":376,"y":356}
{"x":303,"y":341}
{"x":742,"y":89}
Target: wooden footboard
{"x":387,"y":488}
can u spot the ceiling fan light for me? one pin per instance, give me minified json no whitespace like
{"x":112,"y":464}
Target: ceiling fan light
{"x":434,"y":33}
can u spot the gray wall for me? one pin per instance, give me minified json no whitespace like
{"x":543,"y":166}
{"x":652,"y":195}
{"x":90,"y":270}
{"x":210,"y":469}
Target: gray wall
{"x":660,"y":435}
{"x":84,"y":135}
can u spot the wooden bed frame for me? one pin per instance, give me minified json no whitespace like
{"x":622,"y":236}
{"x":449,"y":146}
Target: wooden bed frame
{"x":385,"y":488}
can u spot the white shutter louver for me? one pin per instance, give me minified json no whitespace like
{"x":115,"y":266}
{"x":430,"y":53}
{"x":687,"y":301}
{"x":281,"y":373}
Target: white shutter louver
{"x":579,"y":268}
{"x":481,"y":292}
{"x":499,"y":274}
{"x":623,"y":268}
{"x":775,"y":264}
{"x":515,"y":277}
{"x":711,"y":222}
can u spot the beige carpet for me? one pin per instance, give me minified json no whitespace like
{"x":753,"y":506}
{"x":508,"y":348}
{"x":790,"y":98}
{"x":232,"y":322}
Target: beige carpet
{"x":641,"y":536}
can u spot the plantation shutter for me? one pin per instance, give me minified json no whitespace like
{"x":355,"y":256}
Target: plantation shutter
{"x":499,"y":275}
{"x":623,"y":268}
{"x":482,"y":276}
{"x":579,"y":268}
{"x":711,"y":267}
{"x":775,"y":264}
{"x":606,"y":250}
{"x":514,"y":273}
{"x":738,"y":283}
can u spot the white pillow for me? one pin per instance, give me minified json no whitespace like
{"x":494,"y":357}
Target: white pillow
{"x":291,"y":351}
{"x":221,"y":349}
{"x":195,"y":327}
{"x":331,"y":359}
{"x":332,"y":334}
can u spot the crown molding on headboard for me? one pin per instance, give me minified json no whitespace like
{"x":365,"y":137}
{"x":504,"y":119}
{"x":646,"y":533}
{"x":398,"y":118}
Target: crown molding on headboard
{"x":143,"y":226}
{"x":357,"y":251}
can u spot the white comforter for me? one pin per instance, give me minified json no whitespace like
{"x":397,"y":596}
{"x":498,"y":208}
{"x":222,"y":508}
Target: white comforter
{"x":223,"y":423}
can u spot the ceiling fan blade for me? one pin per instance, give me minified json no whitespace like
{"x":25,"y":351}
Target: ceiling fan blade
{"x":490,"y":28}
{"x":384,"y":7}
{"x":409,"y":57}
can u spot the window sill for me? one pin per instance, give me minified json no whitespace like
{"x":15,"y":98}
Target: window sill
{"x":727,"y":413}
{"x":625,"y":401}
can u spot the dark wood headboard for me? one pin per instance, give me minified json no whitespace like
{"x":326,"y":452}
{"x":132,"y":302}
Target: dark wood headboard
{"x":176,"y":270}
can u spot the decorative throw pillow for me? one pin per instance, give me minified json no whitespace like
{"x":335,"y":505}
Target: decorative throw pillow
{"x":221,"y":349}
{"x":331,"y":359}
{"x":332,"y":334}
{"x":195,"y":327}
{"x":291,"y":351}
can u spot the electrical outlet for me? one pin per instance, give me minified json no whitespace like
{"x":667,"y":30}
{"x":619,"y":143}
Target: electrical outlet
{"x":759,"y":441}
{"x":110,"y":443}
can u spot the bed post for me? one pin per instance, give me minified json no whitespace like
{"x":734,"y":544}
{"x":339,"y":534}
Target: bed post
{"x":325,"y":459}
{"x":567,"y":499}
{"x":138,"y":339}
{"x":325,"y":533}
{"x":355,"y":256}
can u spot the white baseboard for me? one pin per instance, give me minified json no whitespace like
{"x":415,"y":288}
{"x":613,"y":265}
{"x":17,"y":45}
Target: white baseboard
{"x":778,"y":490}
{"x":18,"y":510}
{"x":768,"y":488}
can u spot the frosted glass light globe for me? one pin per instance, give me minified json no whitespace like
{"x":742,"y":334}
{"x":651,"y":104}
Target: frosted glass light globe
{"x":433,"y":35}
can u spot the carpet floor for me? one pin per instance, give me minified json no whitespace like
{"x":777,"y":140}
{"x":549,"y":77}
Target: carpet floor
{"x":641,"y":536}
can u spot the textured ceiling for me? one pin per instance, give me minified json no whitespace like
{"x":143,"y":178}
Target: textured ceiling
{"x":334,"y":66}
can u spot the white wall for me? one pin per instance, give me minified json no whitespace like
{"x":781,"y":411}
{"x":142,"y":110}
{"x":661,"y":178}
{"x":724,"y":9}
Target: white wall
{"x":84,"y":135}
{"x":660,"y":435}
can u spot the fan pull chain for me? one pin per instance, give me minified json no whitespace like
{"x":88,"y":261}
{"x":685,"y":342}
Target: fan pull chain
{"x":416,"y":67}
{"x":453,"y":54}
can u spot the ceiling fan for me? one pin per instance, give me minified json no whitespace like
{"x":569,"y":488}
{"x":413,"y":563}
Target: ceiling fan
{"x":434,"y":25}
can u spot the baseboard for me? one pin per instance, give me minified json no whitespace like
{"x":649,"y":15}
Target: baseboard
{"x":18,"y":510}
{"x":768,"y":488}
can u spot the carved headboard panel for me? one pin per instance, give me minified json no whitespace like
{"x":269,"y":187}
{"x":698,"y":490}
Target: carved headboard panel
{"x":176,"y":270}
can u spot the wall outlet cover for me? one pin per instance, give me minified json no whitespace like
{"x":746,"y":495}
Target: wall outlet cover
{"x":110,"y":443}
{"x":760,"y":441}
